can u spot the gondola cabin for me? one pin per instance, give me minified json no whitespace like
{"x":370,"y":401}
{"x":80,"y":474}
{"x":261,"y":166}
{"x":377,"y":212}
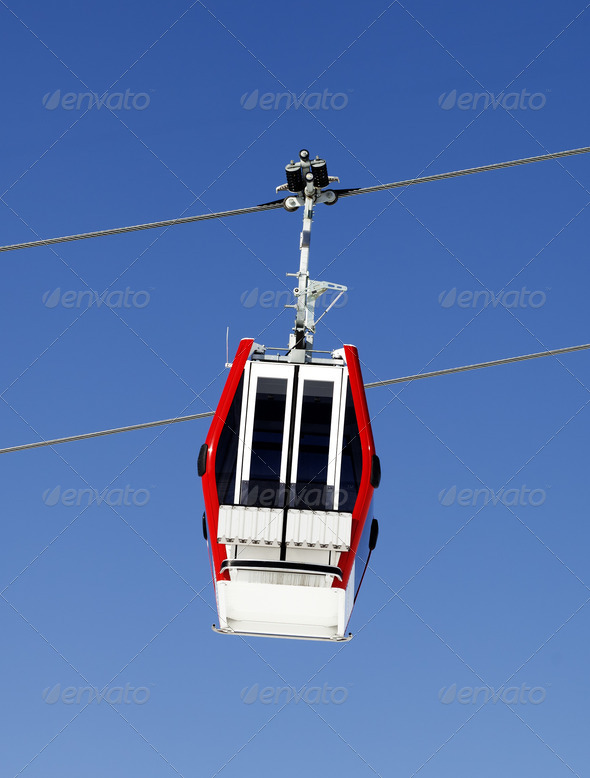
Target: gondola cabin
{"x":288,"y":472}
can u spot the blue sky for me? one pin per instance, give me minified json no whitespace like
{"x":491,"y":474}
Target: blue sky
{"x":481,"y":577}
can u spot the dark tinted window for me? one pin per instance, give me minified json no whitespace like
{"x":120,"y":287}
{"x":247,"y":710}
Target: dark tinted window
{"x":227,"y":451}
{"x":263,"y":489}
{"x":352,"y":459}
{"x":311,"y":491}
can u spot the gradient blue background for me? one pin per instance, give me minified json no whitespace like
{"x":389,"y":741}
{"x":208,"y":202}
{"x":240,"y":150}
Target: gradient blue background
{"x":472,"y":596}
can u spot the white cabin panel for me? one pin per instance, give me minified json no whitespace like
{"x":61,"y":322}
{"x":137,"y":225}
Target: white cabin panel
{"x":295,"y":611}
{"x":239,"y":524}
{"x":322,"y":529}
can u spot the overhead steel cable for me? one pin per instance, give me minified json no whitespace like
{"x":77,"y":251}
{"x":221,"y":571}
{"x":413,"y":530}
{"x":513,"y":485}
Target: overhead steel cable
{"x":149,"y":226}
{"x":464,"y":368}
{"x":87,"y":435}
{"x":373,"y":385}
{"x":457,"y":173}
{"x":279,"y":203}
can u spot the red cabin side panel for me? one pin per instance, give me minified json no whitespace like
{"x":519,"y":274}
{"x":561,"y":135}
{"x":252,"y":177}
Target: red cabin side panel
{"x":365,"y":495}
{"x":212,"y":441}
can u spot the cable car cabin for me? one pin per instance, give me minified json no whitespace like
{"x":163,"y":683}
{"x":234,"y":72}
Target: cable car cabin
{"x":288,"y":473}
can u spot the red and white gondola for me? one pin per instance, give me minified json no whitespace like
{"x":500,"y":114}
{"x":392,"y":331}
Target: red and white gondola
{"x":288,"y":472}
{"x":289,"y":469}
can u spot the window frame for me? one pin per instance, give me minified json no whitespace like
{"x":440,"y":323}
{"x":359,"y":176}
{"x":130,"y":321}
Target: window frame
{"x":323,"y":374}
{"x":256,"y":371}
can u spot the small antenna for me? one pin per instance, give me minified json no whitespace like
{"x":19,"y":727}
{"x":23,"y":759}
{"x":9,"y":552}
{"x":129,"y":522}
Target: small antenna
{"x":227,"y":362}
